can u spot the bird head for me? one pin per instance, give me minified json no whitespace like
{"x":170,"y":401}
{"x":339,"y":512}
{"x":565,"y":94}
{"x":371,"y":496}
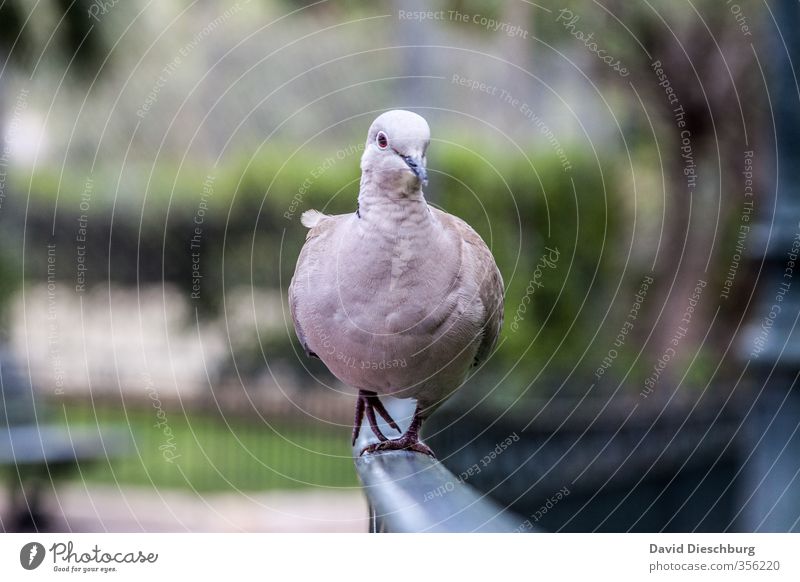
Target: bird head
{"x":395,"y":150}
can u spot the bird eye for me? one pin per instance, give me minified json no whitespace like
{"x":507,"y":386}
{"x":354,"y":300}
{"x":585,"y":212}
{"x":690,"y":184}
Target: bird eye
{"x":382,"y":140}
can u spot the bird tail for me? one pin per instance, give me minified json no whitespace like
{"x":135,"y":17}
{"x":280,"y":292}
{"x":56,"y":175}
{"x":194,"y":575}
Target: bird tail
{"x":312,"y":218}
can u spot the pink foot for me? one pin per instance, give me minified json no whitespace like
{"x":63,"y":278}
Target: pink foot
{"x":404,"y":443}
{"x":368,"y":404}
{"x":408,"y":442}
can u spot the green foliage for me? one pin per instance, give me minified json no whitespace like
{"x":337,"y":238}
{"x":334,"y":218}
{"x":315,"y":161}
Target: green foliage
{"x":9,"y":280}
{"x":521,"y":202}
{"x":522,"y":210}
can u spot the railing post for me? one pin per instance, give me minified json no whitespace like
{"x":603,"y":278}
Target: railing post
{"x":771,"y":346}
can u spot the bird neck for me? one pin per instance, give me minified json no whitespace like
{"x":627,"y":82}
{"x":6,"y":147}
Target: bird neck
{"x":385,"y":199}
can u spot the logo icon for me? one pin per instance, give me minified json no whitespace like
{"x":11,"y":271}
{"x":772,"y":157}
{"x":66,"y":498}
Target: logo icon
{"x":31,"y":555}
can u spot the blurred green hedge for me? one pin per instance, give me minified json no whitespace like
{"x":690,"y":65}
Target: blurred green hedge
{"x":141,"y":220}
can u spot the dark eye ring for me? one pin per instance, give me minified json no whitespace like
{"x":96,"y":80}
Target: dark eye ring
{"x":382,"y":140}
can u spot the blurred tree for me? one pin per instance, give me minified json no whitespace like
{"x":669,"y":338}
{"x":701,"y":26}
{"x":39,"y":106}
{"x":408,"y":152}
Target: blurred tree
{"x":709,"y":65}
{"x":11,"y":25}
{"x":77,"y":37}
{"x":74,"y":35}
{"x":75,"y":40}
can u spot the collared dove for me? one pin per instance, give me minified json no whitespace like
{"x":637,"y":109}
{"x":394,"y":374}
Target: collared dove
{"x":397,"y":298}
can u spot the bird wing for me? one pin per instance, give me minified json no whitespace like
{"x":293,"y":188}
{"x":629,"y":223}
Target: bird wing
{"x":491,"y":291}
{"x":320,"y":225}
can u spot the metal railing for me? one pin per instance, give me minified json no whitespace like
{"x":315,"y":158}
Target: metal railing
{"x":412,"y":492}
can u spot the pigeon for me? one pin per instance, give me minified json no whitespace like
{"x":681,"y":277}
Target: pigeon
{"x":397,"y":298}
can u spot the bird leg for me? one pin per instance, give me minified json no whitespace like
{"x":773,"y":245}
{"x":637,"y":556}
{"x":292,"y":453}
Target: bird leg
{"x":368,"y":403}
{"x":408,"y":442}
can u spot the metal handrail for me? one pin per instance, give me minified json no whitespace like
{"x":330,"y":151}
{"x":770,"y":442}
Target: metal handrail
{"x":412,"y":492}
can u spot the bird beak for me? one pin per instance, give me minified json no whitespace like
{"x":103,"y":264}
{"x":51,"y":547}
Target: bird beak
{"x":418,"y":168}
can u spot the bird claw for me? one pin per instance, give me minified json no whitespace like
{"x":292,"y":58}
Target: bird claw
{"x":401,"y":444}
{"x":368,"y":404}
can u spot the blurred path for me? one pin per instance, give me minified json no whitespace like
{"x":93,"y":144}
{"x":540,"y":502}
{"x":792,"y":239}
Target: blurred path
{"x":134,"y":509}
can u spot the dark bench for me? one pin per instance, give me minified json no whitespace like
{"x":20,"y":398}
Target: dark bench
{"x":35,"y":452}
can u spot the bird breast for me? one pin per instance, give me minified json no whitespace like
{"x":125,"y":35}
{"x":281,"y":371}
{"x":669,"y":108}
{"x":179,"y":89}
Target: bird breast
{"x":399,"y":314}
{"x":397,"y":283}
